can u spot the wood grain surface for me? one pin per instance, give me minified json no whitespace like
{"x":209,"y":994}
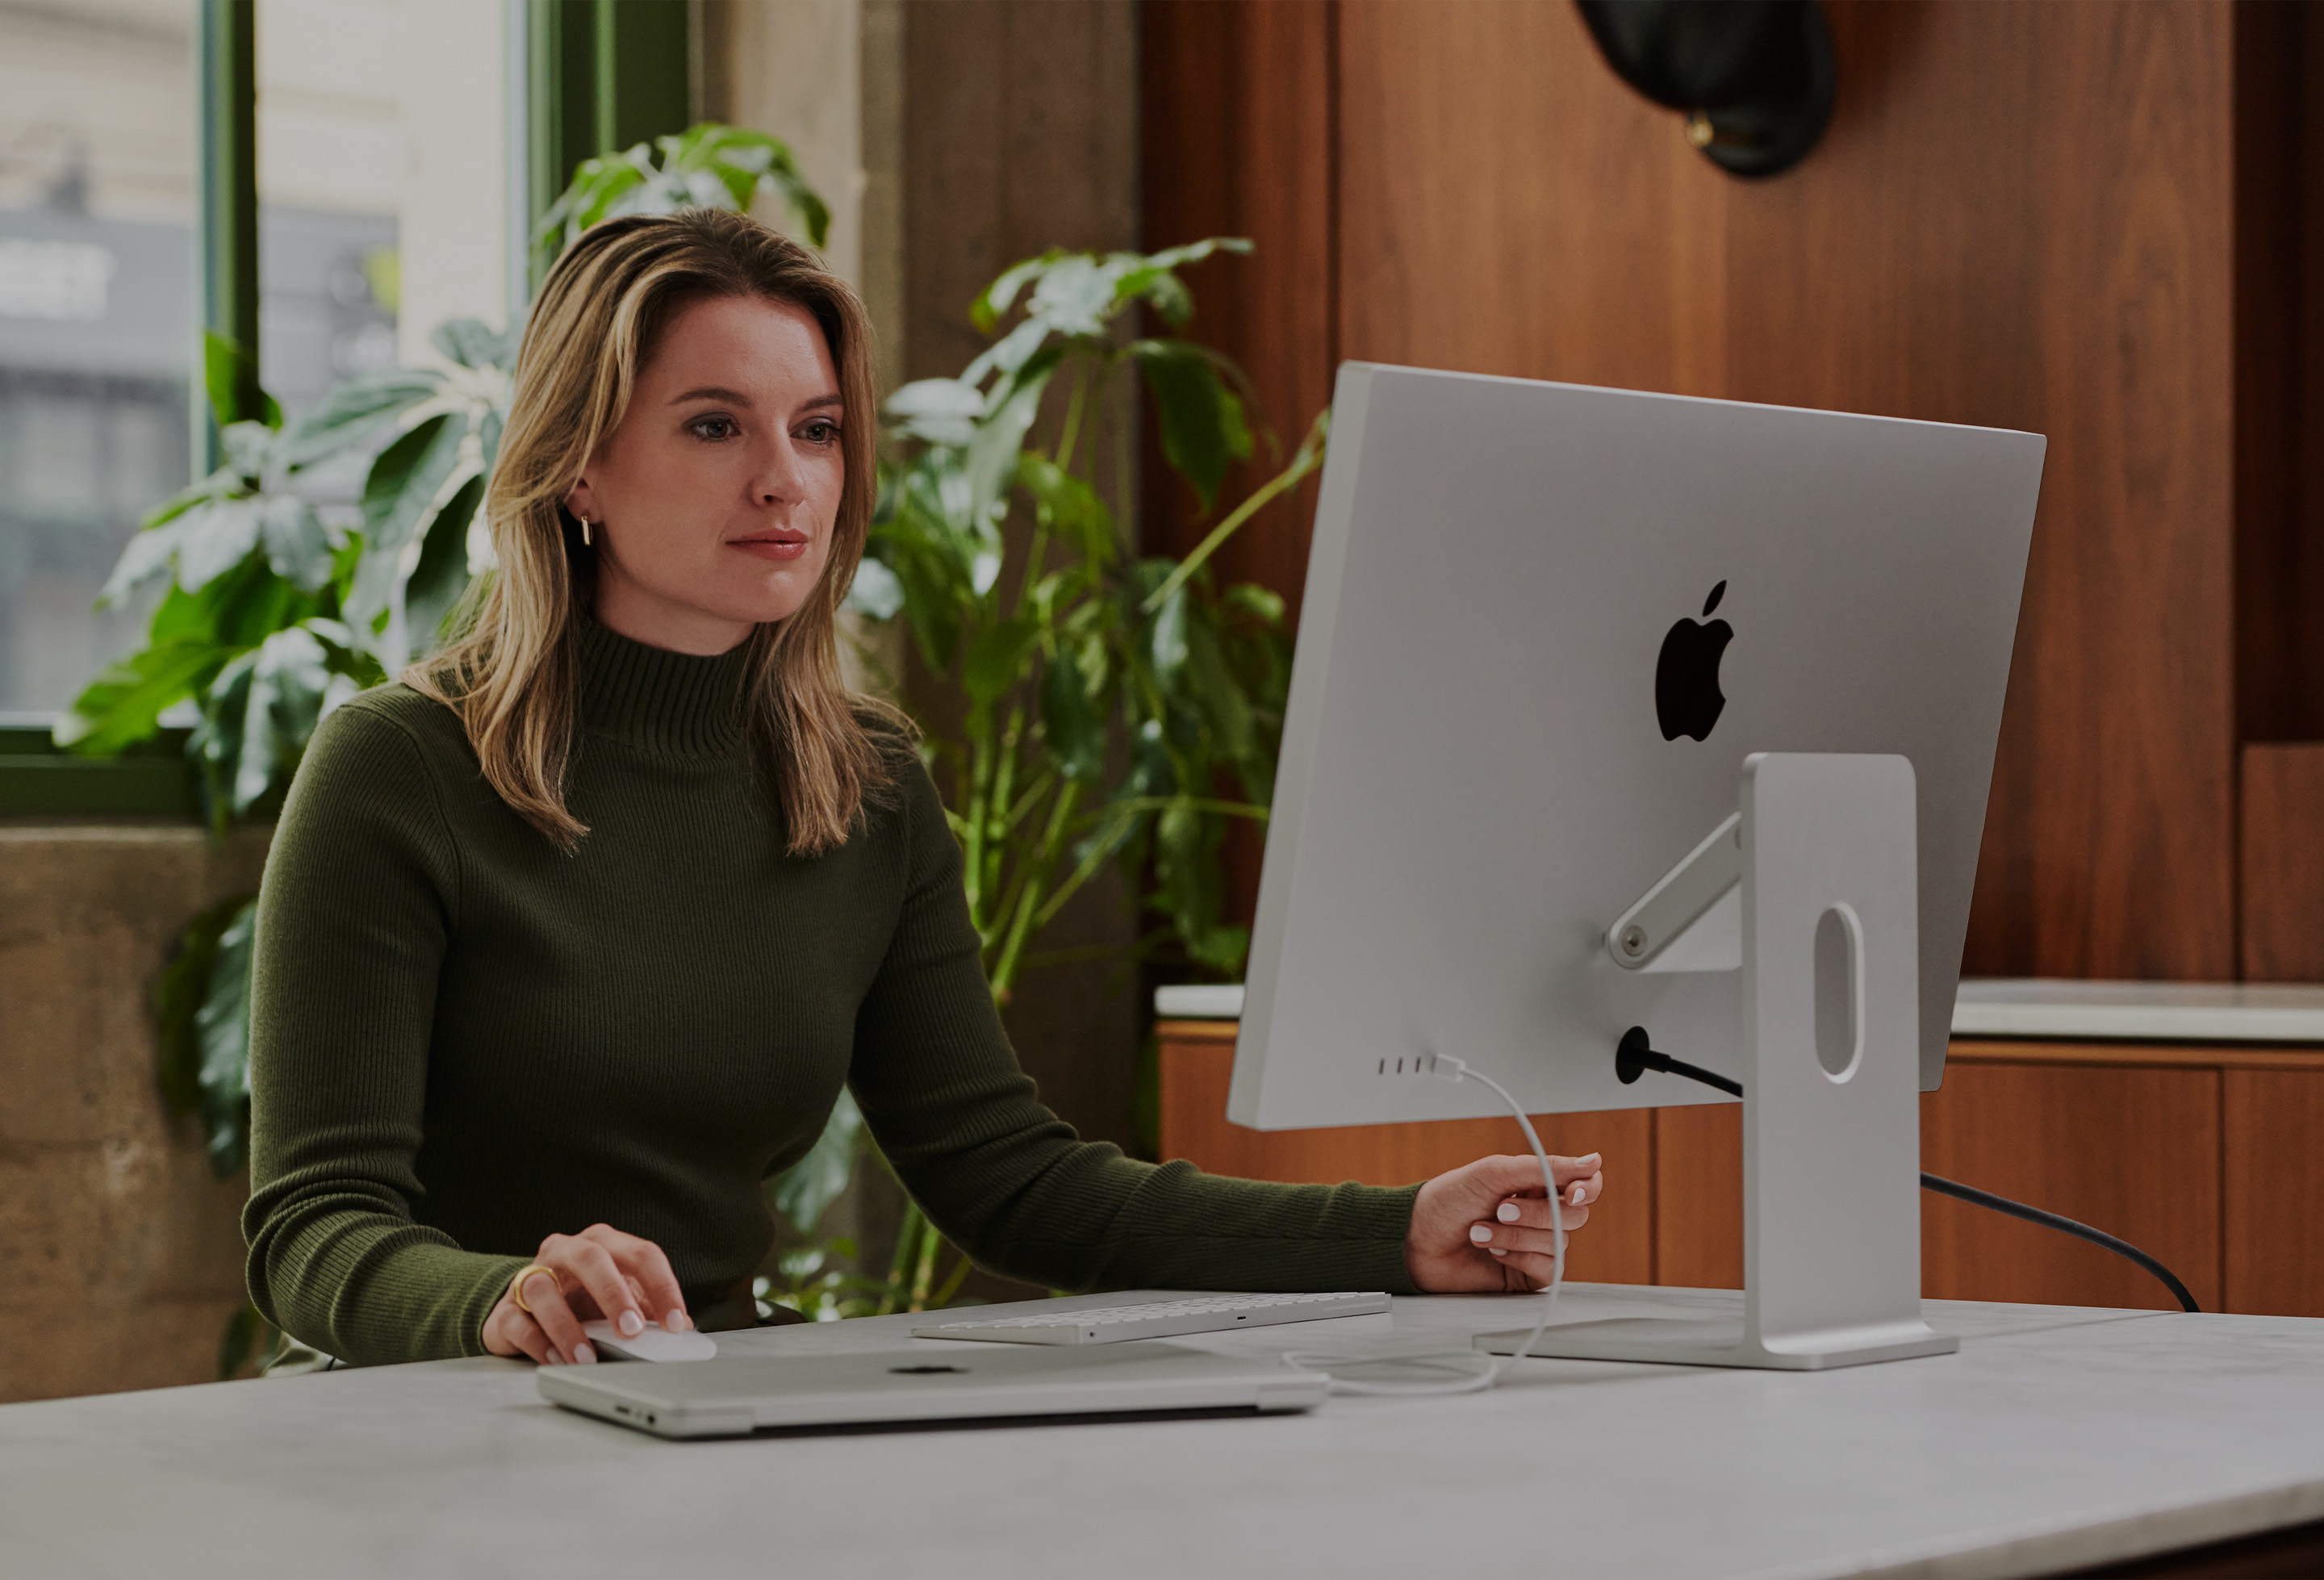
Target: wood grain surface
{"x":2203,"y":1155}
{"x":2275,"y":1190}
{"x":2021,"y":217}
{"x":1615,"y":1246}
{"x":2135,"y":1152}
{"x":2283,"y":859}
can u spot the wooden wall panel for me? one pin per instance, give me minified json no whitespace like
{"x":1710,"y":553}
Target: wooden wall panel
{"x":2135,"y":1152}
{"x":1961,"y":248}
{"x":2283,"y":858}
{"x":1020,"y":133}
{"x":1197,"y":1062}
{"x":1699,"y":1196}
{"x":1238,"y":142}
{"x":2274,"y":1191}
{"x":2204,"y":1156}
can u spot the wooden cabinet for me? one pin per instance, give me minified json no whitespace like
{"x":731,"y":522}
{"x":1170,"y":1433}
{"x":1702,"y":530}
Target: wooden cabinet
{"x":2203,"y":1157}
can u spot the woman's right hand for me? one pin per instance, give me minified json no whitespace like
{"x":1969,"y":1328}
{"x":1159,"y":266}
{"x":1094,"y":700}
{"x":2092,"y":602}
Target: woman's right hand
{"x":600,"y":1272}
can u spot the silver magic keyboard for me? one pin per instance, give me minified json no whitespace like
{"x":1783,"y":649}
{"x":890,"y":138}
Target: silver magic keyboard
{"x":1108,"y":1325}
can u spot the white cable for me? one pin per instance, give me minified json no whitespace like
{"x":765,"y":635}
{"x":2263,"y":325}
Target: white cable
{"x":1476,"y":1381}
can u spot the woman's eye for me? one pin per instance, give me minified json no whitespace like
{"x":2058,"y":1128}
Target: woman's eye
{"x":820,"y":432}
{"x":713,"y":428}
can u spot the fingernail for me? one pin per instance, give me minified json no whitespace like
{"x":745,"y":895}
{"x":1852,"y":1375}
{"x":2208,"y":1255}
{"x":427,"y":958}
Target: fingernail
{"x":1577,"y":1196}
{"x":631,"y":1325}
{"x":1592,"y":1158}
{"x":1508,"y":1212}
{"x":676,"y":1322}
{"x":585,"y":1353}
{"x":1499,"y":1252}
{"x":1479,"y":1235}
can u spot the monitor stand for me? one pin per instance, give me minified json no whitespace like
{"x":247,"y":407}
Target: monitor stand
{"x":1823,"y":851}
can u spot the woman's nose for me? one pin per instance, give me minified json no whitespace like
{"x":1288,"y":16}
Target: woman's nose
{"x":779,"y":478}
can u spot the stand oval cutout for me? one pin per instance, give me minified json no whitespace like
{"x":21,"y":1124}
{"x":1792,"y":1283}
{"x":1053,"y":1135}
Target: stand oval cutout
{"x":1839,"y":993}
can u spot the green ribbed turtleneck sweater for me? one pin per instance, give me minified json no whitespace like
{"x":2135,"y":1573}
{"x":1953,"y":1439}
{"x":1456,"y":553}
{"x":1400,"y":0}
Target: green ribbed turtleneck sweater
{"x":464,"y":1040}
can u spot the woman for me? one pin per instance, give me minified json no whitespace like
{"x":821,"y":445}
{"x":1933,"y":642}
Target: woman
{"x":569,"y":940}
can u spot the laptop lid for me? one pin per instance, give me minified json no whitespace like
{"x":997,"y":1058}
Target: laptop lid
{"x":734,"y":1396}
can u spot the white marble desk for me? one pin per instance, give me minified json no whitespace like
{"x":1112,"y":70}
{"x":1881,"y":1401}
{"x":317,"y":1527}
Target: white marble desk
{"x":2056,"y":1437}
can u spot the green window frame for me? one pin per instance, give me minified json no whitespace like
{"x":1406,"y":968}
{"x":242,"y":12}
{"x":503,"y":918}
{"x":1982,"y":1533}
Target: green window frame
{"x":599,"y":76}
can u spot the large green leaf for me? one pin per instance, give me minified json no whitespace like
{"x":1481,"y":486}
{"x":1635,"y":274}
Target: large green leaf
{"x":356,"y":411}
{"x":802,"y":1191}
{"x":177,"y":998}
{"x":298,"y":545}
{"x":399,"y":496}
{"x":991,"y":462}
{"x":266,"y":706}
{"x":876,"y":592}
{"x":230,"y":379}
{"x":215,"y":537}
{"x":472,"y":343}
{"x":1070,"y":720}
{"x":996,"y":659}
{"x":236,"y":610}
{"x":1214,"y":688}
{"x":442,"y":574}
{"x":147,"y":557}
{"x":222,"y":1025}
{"x":707,"y":166}
{"x":940,"y":410}
{"x":1072,"y":508}
{"x":1165,"y":639}
{"x":123,"y":704}
{"x":1203,"y":429}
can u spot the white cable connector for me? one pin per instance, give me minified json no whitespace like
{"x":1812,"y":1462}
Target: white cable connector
{"x":1448,"y":1068}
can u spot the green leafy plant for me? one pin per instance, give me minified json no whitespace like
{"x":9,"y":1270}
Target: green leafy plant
{"x":705,"y":166}
{"x":1086,"y":704}
{"x":1102,"y":705}
{"x":272,"y":613}
{"x":1093,"y":704}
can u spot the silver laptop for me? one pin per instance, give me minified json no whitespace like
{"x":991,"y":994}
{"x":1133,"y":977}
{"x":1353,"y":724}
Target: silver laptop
{"x":734,"y":1396}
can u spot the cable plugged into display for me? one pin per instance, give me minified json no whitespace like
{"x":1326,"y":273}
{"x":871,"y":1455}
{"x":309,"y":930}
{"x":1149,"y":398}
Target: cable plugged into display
{"x":1463,"y":1360}
{"x":1635,"y":1055}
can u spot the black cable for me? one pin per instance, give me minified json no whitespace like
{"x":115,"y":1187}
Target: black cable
{"x":2002,"y":1203}
{"x":1634,"y":1056}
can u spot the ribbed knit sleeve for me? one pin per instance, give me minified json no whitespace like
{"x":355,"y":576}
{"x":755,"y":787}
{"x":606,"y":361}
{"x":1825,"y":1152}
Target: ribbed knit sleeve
{"x":1010,"y":1183}
{"x":361,"y":891}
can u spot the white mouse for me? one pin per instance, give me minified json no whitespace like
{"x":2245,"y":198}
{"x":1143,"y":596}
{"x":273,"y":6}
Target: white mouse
{"x":652,"y":1343}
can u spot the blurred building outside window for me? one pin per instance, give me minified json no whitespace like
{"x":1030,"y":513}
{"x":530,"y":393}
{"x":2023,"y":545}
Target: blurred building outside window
{"x":98,"y":185}
{"x":384,"y":163}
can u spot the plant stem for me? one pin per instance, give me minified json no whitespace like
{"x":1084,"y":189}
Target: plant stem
{"x":1310,"y":456}
{"x":1073,"y":428}
{"x":1021,"y":927}
{"x":908,"y":1233}
{"x":944,"y":1296}
{"x":980,"y":728}
{"x":924,"y":1275}
{"x":997,"y":802}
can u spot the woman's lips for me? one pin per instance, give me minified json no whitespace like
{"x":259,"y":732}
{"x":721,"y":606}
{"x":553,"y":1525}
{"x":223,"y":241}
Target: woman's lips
{"x":773,"y":545}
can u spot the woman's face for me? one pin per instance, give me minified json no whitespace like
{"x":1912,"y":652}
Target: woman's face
{"x":712,"y":505}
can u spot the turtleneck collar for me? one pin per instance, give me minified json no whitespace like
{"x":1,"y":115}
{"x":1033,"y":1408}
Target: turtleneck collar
{"x":673,"y":704}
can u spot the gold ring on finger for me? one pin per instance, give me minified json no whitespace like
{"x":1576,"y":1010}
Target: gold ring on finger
{"x":516,"y":1284}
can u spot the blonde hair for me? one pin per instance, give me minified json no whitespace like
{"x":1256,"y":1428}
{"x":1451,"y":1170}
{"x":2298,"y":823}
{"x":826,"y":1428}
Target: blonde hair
{"x":512,"y":672}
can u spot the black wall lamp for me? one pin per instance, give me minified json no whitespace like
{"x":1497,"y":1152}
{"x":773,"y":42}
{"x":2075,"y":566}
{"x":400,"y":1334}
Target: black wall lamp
{"x":1754,"y":77}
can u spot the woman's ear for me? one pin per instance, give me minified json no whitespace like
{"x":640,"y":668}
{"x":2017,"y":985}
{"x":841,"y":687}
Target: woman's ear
{"x":579,"y":503}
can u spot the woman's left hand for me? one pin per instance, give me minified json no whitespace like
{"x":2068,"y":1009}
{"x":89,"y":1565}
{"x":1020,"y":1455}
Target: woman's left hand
{"x":1487,"y":1226}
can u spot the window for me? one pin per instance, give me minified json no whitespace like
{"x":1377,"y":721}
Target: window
{"x":98,"y":185}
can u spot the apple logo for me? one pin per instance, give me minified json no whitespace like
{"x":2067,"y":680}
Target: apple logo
{"x":1687,"y":698}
